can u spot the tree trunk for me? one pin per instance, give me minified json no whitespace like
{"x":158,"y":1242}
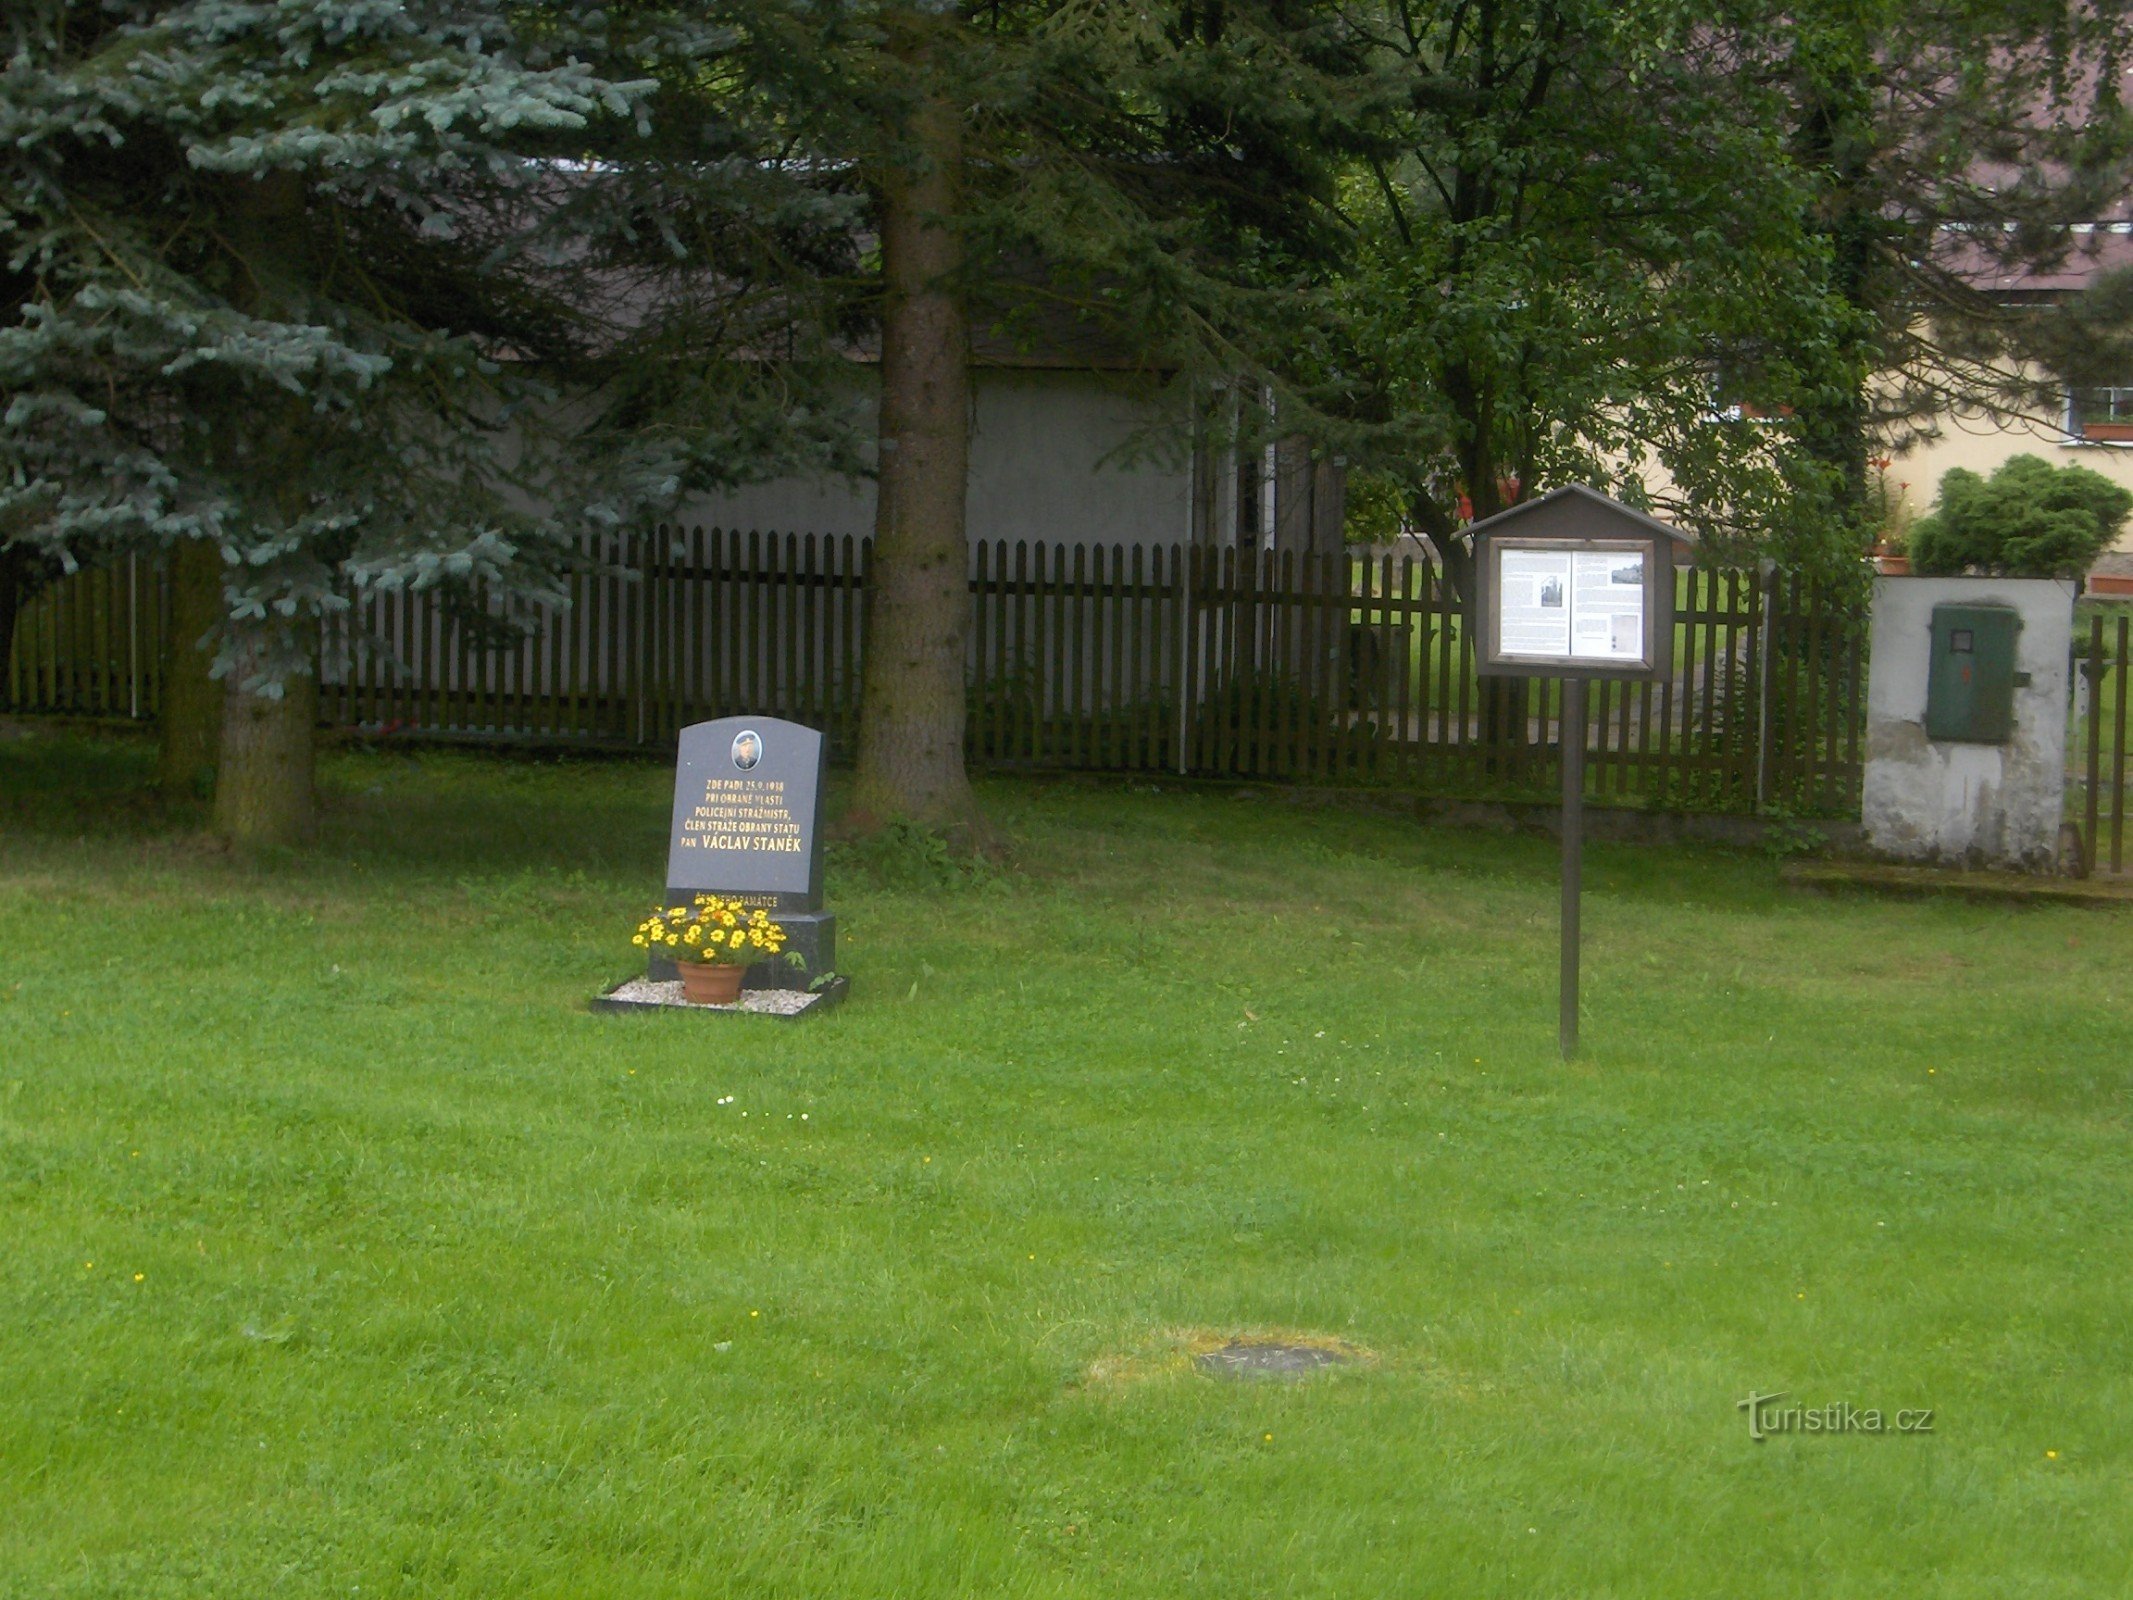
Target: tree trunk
{"x":192,"y":700}
{"x":913,"y":706}
{"x":1502,"y":702}
{"x":1837,"y":112}
{"x":264,"y":791}
{"x":263,"y":794}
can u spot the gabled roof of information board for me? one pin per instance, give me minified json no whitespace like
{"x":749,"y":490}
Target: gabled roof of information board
{"x":1572,"y":512}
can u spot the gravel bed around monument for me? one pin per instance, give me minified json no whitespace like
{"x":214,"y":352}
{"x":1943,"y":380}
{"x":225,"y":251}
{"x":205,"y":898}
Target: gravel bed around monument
{"x":768,"y":1002}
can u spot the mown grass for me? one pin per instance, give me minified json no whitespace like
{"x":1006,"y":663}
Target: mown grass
{"x":348,"y":1254}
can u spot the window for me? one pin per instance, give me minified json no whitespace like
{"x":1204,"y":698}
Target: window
{"x":1732,"y":382}
{"x":2100,"y":411}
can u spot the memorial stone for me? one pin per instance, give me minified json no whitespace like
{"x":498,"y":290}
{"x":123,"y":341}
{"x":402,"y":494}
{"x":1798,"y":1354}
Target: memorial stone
{"x":748,"y":825}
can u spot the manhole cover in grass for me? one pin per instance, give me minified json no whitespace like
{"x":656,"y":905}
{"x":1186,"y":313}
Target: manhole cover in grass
{"x":1252,"y":1358}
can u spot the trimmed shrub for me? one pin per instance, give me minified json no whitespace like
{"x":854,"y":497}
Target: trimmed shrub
{"x":2028,"y":520}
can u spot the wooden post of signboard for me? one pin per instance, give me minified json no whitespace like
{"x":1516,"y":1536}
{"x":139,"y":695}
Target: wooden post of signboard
{"x":1572,"y":739}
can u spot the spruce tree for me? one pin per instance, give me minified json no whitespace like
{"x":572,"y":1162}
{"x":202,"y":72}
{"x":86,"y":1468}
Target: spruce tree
{"x":295,"y":287}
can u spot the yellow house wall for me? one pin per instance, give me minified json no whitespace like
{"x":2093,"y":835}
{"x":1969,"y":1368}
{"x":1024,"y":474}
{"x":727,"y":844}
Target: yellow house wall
{"x":1982,"y":443}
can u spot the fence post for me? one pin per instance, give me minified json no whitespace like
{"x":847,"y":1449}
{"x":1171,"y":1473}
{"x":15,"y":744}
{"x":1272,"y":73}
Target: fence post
{"x":1182,"y":678}
{"x":634,"y":622}
{"x":1766,"y":600}
{"x":133,"y":637}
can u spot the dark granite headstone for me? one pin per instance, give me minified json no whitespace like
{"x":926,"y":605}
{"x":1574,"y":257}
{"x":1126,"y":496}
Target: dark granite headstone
{"x":748,"y":824}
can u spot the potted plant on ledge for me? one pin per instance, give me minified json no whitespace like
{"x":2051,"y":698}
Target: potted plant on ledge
{"x":712,"y":942}
{"x":1892,"y":560}
{"x":1890,"y":507}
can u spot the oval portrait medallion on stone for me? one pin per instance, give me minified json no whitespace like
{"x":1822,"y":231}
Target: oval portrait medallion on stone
{"x":747,"y":748}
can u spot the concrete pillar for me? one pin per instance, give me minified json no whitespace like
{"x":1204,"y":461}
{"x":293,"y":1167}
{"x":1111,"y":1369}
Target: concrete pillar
{"x":1931,"y":800}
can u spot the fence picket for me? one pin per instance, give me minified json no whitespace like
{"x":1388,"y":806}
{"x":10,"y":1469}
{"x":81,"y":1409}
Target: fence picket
{"x":1107,"y":596}
{"x":1021,"y":739}
{"x":1408,"y":640}
{"x":789,"y":703}
{"x":1191,"y":654}
{"x":1118,"y":716}
{"x":1140,"y":628}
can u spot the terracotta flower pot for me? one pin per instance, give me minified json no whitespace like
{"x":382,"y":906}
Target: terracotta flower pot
{"x":704,"y":984}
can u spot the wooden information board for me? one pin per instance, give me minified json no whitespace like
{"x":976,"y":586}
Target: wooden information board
{"x":1574,"y":586}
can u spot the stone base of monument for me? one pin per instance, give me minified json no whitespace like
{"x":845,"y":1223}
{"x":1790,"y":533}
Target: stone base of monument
{"x":663,"y":994}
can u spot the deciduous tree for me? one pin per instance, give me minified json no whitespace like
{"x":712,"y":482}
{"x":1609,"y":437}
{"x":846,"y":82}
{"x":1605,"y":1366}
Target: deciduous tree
{"x":1576,"y":221}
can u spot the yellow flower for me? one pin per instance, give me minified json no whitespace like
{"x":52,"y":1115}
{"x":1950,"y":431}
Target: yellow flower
{"x":673,"y":940}
{"x":638,"y":940}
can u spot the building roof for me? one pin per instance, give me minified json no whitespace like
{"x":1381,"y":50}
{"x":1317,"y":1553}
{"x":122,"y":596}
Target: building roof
{"x":2096,"y":248}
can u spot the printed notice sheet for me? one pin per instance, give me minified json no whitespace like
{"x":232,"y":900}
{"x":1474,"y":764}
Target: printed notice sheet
{"x":1533,"y":589}
{"x":1584,"y":605}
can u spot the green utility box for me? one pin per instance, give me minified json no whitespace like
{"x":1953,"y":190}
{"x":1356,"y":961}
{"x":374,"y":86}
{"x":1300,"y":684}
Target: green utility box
{"x":1971,"y":683}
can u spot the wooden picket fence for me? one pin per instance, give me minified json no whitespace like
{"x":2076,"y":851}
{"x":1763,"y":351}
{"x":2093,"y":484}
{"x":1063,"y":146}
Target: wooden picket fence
{"x":92,"y":645}
{"x":1338,"y":669}
{"x":661,"y":631}
{"x":1093,"y":657}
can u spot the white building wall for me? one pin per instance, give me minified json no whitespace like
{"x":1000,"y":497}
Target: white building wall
{"x":1046,"y":463}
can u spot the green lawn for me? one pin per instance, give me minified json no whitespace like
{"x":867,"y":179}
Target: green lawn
{"x":348,"y":1254}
